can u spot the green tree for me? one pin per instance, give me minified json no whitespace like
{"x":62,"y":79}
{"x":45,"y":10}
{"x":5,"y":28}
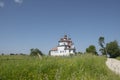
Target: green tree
{"x":79,"y":53}
{"x":91,"y":49}
{"x":102,"y":45}
{"x":113,"y":49}
{"x":102,"y":50}
{"x":35,"y":52}
{"x":101,"y":41}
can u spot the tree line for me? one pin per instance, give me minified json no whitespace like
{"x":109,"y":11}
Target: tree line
{"x":110,"y":49}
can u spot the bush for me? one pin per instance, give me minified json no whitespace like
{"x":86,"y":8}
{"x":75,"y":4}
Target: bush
{"x":113,"y":49}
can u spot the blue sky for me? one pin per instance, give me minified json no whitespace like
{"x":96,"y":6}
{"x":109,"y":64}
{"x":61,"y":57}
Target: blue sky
{"x":26,"y":24}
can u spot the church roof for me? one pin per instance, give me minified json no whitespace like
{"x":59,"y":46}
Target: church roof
{"x":65,"y":39}
{"x":54,"y":49}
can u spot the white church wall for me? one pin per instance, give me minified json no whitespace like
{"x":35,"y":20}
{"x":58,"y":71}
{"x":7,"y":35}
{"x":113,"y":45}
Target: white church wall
{"x":63,"y":43}
{"x":61,"y":48}
{"x":60,"y":54}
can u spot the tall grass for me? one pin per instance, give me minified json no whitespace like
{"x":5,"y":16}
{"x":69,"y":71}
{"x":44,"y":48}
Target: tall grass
{"x":83,"y":67}
{"x":118,"y":58}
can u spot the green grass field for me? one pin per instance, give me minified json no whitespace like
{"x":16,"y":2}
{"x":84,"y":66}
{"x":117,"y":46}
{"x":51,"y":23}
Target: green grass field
{"x":82,"y":67}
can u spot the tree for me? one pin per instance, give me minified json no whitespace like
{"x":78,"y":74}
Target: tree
{"x":102,"y":50}
{"x":113,"y":49}
{"x":101,"y":41}
{"x":35,"y":52}
{"x":2,"y":54}
{"x":102,"y":44}
{"x":79,"y":53}
{"x":91,"y":49}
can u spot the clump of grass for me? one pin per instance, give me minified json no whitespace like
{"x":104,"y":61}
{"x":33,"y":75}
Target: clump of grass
{"x":118,"y":58}
{"x":82,"y":67}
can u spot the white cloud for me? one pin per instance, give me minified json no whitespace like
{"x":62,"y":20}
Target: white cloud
{"x":1,"y":4}
{"x":18,"y":1}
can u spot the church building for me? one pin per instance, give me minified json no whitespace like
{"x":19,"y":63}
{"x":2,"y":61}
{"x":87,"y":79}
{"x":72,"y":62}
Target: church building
{"x":65,"y":47}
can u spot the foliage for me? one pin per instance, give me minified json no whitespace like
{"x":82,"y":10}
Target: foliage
{"x":35,"y":52}
{"x":118,"y":58}
{"x":79,"y":53}
{"x":91,"y":49}
{"x":82,"y":67}
{"x":101,"y":42}
{"x":102,"y":50}
{"x":113,"y":49}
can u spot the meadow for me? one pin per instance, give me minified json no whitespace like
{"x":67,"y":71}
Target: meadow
{"x":81,"y":67}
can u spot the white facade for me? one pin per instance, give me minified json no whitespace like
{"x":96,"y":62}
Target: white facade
{"x":65,"y":47}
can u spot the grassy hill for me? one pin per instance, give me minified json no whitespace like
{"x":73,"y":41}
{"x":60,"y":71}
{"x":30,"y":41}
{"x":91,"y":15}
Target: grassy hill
{"x":83,"y":67}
